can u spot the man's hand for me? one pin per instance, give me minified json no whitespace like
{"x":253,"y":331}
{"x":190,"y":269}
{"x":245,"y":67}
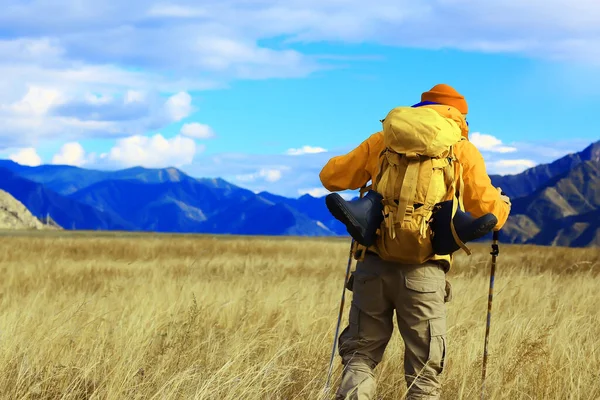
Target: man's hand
{"x":504,"y":197}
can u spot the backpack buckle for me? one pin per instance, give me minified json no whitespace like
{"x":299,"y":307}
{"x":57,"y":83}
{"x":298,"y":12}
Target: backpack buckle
{"x":408,"y":214}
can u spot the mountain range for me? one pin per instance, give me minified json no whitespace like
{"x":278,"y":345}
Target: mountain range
{"x":160,"y":200}
{"x":556,"y":203}
{"x":553,"y":204}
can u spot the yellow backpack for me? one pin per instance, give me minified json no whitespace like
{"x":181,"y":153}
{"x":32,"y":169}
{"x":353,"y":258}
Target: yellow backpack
{"x":416,"y":171}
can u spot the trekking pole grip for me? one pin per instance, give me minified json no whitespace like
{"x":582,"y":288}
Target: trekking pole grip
{"x":495,"y":248}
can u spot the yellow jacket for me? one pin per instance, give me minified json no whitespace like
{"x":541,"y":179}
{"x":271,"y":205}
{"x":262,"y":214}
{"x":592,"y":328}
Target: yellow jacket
{"x":355,"y":169}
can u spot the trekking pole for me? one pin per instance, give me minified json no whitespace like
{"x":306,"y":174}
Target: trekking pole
{"x":494,"y":253}
{"x":339,"y":320}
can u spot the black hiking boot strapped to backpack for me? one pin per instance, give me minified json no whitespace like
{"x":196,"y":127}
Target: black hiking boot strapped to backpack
{"x":467,"y":227}
{"x":362,"y":217}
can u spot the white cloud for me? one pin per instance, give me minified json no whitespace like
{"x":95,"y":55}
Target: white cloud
{"x":556,"y":29}
{"x":190,"y":40}
{"x":321,"y":191}
{"x":65,"y":113}
{"x":314,"y":192}
{"x":37,"y":101}
{"x":305,"y":150}
{"x":550,"y":150}
{"x":197,"y":131}
{"x":271,"y":175}
{"x":515,"y":163}
{"x":61,"y":80}
{"x":489,"y":143}
{"x":179,"y":106}
{"x":250,"y":171}
{"x":183,"y":47}
{"x":71,"y":153}
{"x":27,"y":156}
{"x":152,"y":152}
{"x":266,"y":174}
{"x":510,"y":166}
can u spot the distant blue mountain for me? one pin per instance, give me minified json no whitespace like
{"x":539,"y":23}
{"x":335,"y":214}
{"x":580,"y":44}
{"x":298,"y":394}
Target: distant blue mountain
{"x":68,"y":213}
{"x":206,"y":205}
{"x":312,"y":207}
{"x":553,"y":203}
{"x":66,"y":179}
{"x":162,"y":200}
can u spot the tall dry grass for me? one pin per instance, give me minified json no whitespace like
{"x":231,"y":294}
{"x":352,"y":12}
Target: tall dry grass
{"x":178,"y":317}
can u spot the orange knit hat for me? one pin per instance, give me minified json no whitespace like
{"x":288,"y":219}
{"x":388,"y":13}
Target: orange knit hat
{"x":447,"y":95}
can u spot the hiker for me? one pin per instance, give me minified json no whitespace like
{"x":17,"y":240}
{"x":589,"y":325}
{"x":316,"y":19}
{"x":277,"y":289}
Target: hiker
{"x":417,"y":291}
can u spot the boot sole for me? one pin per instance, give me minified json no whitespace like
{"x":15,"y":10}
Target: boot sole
{"x":335,"y":205}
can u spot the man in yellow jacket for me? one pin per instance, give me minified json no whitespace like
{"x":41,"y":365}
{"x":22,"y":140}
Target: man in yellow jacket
{"x":416,"y":292}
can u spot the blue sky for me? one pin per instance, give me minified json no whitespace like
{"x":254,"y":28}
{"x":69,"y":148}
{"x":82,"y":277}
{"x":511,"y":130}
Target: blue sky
{"x":263,"y":94}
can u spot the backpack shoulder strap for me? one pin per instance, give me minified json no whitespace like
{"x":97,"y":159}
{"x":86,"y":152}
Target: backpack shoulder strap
{"x":439,"y":167}
{"x":408,"y":189}
{"x":459,"y":242}
{"x":381,"y":169}
{"x":358,"y":250}
{"x":457,"y":185}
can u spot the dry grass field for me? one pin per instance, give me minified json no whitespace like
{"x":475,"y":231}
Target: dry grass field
{"x":88,"y":316}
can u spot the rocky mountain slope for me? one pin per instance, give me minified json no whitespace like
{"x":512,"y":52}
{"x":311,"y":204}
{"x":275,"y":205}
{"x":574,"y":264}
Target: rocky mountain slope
{"x":563,"y":211}
{"x":14,"y":215}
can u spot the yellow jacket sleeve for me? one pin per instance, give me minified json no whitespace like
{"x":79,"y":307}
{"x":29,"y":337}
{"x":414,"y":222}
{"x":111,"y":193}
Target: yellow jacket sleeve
{"x":480,"y":196}
{"x":353,"y":170}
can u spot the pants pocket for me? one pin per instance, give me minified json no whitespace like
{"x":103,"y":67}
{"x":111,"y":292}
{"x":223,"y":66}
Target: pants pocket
{"x":422,"y":284}
{"x":437,"y":344}
{"x":366,"y":289}
{"x":370,"y":323}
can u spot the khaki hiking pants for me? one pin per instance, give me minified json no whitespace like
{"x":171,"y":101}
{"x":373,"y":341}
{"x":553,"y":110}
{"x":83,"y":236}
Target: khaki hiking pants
{"x":418,"y":294}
